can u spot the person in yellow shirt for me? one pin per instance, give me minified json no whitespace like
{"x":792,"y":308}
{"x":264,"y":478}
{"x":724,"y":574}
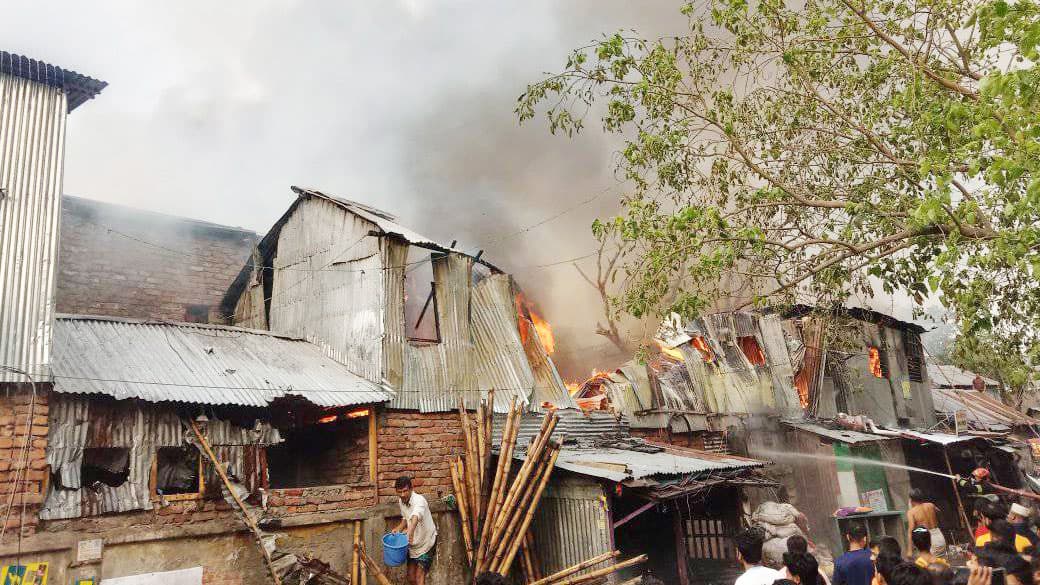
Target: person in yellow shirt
{"x":1000,"y":530}
{"x":921,"y":538}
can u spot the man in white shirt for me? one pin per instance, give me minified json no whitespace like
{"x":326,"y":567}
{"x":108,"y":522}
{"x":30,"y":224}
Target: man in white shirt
{"x":417,"y":523}
{"x":749,"y":552}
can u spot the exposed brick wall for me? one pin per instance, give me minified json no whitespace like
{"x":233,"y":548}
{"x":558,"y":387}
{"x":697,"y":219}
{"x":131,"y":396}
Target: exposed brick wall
{"x":14,"y":431}
{"x":123,"y":262}
{"x":419,"y":445}
{"x":711,"y":441}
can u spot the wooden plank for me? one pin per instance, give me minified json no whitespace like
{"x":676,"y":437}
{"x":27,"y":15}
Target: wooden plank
{"x":373,"y":446}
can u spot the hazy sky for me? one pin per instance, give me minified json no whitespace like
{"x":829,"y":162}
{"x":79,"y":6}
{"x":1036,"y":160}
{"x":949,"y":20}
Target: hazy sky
{"x":215,"y":108}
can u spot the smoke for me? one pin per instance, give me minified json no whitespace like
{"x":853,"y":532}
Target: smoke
{"x":215,"y":109}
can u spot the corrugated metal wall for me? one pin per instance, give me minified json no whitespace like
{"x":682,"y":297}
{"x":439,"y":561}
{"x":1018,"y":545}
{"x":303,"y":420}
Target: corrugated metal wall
{"x":328,"y":286}
{"x":571,"y":524}
{"x":32,"y":149}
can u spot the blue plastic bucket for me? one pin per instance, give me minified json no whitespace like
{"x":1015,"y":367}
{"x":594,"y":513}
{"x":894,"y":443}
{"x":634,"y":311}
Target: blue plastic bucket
{"x":395,"y":549}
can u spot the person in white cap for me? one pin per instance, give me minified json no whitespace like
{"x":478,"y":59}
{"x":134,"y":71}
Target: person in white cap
{"x":1018,"y":517}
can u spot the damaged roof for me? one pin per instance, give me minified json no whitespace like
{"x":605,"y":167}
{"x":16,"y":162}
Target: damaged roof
{"x":197,"y":363}
{"x":947,"y":376}
{"x":982,"y":410}
{"x":625,"y":464}
{"x":836,"y":433}
{"x":385,"y":222}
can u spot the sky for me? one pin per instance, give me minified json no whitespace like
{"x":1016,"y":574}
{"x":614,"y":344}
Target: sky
{"x":215,"y":108}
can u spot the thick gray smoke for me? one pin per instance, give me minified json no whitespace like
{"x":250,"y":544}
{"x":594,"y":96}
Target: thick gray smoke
{"x":214,"y":109}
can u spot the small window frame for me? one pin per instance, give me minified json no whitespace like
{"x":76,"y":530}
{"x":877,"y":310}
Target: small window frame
{"x":153,"y":482}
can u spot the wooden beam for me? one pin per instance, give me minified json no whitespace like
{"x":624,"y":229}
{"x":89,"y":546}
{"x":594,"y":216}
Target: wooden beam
{"x":635,"y":513}
{"x":373,"y":447}
{"x":680,"y":550}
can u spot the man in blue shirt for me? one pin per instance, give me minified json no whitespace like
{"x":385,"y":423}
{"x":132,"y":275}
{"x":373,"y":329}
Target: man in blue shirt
{"x":855,"y":567}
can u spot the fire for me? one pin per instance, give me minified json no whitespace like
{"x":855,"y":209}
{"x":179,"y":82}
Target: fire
{"x":328,"y":419}
{"x":874,"y":357}
{"x":573,"y":387}
{"x":671,"y":352}
{"x":701,"y":345}
{"x":545,"y":333}
{"x":357,"y":413}
{"x":525,"y":309}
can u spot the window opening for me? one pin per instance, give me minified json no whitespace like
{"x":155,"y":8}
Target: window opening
{"x":196,"y":313}
{"x":332,"y":451}
{"x":105,"y":466}
{"x":420,"y":296}
{"x":914,"y":356}
{"x":178,"y":471}
{"x":753,"y":351}
{"x":878,"y":362}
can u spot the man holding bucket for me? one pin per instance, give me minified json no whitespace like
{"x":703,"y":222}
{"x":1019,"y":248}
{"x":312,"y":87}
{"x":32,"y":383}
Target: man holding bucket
{"x":417,"y":523}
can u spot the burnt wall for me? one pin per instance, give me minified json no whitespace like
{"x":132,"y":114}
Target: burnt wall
{"x":124,"y":262}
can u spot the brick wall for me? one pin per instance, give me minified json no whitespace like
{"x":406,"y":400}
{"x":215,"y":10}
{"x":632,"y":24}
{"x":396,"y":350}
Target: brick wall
{"x":123,"y":262}
{"x":419,"y":445}
{"x":26,"y":479}
{"x":711,"y":441}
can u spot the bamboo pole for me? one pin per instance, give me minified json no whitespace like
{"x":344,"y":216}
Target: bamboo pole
{"x":519,"y":484}
{"x":355,"y":561}
{"x":579,"y":567}
{"x":527,"y":562}
{"x":505,"y":454}
{"x":460,"y":496}
{"x":956,"y":492}
{"x":373,"y":567}
{"x":472,"y":474}
{"x":594,"y":575}
{"x":536,"y":570}
{"x":241,"y":506}
{"x":518,"y":512}
{"x":508,"y":562}
{"x":481,"y":446}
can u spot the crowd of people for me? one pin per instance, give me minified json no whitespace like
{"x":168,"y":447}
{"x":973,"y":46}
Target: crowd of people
{"x":1004,"y":553}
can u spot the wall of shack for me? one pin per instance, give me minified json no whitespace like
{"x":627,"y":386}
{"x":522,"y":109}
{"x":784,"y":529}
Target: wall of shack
{"x":23,"y":456}
{"x":177,"y":534}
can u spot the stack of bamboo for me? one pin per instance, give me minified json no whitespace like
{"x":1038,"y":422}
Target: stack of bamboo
{"x":497,"y":506}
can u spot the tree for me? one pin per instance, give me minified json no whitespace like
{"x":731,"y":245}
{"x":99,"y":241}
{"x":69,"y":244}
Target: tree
{"x":822,"y":148}
{"x":999,"y":358}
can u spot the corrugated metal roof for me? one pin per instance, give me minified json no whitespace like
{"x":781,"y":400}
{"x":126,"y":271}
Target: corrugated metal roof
{"x":77,"y":87}
{"x":947,"y":376}
{"x":843,"y":435}
{"x":386,"y":222}
{"x":984,"y":412}
{"x":573,"y":425}
{"x":623,"y":464}
{"x":939,"y":438}
{"x":196,"y":363}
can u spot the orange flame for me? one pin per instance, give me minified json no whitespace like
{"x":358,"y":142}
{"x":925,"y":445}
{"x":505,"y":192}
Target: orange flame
{"x":545,"y":333}
{"x":671,"y":352}
{"x":357,"y":413}
{"x":573,"y":387}
{"x":874,"y":357}
{"x":525,"y":310}
{"x":328,"y":419}
{"x":701,"y":345}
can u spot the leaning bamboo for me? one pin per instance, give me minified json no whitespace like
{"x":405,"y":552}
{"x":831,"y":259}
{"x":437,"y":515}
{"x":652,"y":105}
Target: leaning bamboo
{"x":473,"y":474}
{"x":532,"y":457}
{"x":505,"y":456}
{"x":503,"y":567}
{"x":372,"y":566}
{"x":579,"y":567}
{"x":594,"y":575}
{"x":460,"y":497}
{"x":355,"y":561}
{"x":519,"y":511}
{"x":526,"y":561}
{"x":481,"y":446}
{"x":536,"y":570}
